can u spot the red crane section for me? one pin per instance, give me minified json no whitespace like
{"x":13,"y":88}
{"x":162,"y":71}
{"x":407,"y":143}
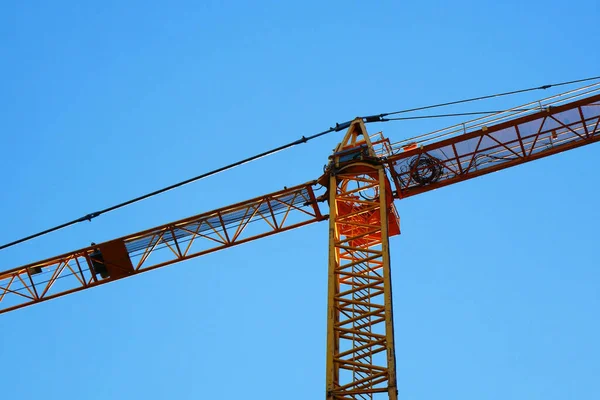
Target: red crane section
{"x":140,"y":252}
{"x":512,"y":138}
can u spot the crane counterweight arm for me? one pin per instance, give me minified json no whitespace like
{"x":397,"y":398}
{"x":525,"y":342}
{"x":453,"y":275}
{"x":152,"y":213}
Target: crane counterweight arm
{"x":525,"y":137}
{"x":157,"y":247}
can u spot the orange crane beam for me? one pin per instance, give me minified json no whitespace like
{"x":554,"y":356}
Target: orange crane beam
{"x":361,"y":361}
{"x":191,"y":237}
{"x":547,"y":130}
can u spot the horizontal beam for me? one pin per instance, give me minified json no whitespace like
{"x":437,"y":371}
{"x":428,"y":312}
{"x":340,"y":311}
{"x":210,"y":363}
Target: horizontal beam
{"x":489,"y":149}
{"x":157,"y":247}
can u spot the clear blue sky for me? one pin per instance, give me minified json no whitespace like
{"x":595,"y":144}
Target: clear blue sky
{"x":496,"y":281}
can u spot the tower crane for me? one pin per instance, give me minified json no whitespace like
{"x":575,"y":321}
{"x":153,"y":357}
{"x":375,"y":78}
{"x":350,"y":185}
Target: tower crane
{"x":363,"y":177}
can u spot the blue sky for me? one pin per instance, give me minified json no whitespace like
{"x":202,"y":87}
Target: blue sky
{"x":495,"y":280}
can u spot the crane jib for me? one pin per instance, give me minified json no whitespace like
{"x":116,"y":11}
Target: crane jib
{"x":552,"y":130}
{"x":157,"y":247}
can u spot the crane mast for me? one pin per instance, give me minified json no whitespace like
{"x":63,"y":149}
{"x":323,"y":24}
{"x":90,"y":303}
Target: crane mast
{"x":364,"y":176}
{"x":360,"y":329}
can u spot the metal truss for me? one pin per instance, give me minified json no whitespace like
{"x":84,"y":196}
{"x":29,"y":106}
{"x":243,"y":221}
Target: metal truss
{"x":360,"y":338}
{"x":546,"y":130}
{"x":157,"y":247}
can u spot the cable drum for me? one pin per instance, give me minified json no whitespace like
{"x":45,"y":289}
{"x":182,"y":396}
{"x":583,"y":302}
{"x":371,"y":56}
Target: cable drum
{"x":425,"y":169}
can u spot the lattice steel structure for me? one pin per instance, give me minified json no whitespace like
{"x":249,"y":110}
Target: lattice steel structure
{"x":363,"y":177}
{"x":360,"y":330}
{"x":497,"y":142}
{"x":182,"y":240}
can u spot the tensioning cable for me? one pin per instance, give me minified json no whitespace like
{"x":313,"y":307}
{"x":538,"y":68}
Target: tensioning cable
{"x":303,"y":139}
